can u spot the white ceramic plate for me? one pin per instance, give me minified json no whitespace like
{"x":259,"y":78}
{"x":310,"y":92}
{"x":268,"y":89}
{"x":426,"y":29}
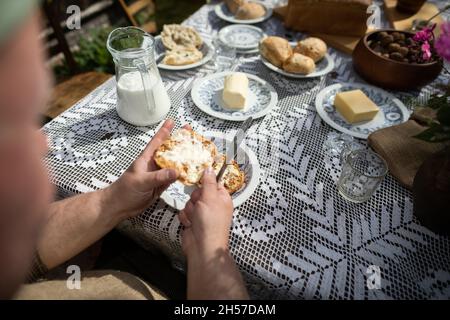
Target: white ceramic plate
{"x":177,"y":195}
{"x":392,"y":112}
{"x":223,"y":13}
{"x":323,"y":67}
{"x":251,"y":51}
{"x":160,"y":51}
{"x":207,"y":96}
{"x":241,"y":36}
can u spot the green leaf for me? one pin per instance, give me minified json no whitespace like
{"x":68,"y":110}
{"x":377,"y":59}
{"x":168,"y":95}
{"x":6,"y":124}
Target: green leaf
{"x":436,"y":101}
{"x":435,"y":133}
{"x":443,"y":115}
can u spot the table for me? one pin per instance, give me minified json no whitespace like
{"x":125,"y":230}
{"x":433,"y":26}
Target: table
{"x":295,"y":238}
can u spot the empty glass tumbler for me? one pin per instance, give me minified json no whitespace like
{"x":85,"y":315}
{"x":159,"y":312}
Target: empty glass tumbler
{"x":362,"y":172}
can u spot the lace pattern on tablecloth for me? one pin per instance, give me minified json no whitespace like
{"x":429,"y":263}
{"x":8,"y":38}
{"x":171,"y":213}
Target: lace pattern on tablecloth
{"x":295,"y":237}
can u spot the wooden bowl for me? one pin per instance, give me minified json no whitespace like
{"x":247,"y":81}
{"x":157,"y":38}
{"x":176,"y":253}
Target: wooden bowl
{"x":391,"y":74}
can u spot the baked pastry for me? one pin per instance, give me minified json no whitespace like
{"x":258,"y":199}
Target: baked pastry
{"x":340,"y":17}
{"x":276,"y":50}
{"x":314,"y":48}
{"x":298,"y":63}
{"x":181,"y":57}
{"x":250,"y":10}
{"x":187,"y":152}
{"x":190,"y":154}
{"x":233,"y":5}
{"x":174,"y":36}
{"x":233,"y":178}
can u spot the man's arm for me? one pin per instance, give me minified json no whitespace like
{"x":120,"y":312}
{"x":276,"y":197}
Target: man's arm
{"x":214,"y":275}
{"x":77,"y":222}
{"x":74,"y":224}
{"x":212,"y":272}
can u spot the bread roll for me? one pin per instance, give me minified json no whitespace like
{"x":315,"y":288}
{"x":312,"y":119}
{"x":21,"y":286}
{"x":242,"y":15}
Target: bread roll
{"x":276,"y":50}
{"x":314,"y":48}
{"x":175,"y":36}
{"x":250,"y":10}
{"x":298,"y":63}
{"x":233,"y":5}
{"x":181,"y":57}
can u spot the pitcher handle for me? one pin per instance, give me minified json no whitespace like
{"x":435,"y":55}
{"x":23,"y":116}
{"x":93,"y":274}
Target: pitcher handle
{"x":145,"y":75}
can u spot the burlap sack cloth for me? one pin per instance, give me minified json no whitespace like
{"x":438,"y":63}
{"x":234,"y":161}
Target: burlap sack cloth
{"x":403,"y":153}
{"x":95,"y":285}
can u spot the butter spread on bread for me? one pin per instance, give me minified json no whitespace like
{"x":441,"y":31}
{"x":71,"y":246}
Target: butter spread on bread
{"x":189,"y":153}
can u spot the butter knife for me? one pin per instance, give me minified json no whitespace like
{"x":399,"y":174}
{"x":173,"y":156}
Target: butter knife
{"x":231,"y":152}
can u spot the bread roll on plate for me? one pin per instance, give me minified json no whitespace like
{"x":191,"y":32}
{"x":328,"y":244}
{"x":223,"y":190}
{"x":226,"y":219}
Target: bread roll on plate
{"x":181,"y":57}
{"x":189,"y":153}
{"x":276,"y":50}
{"x":233,"y":5}
{"x":175,"y":36}
{"x":298,"y":63}
{"x":250,"y":10}
{"x":314,"y":48}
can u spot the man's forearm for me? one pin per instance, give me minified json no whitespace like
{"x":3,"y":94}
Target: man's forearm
{"x":214,"y":276}
{"x":74,"y":224}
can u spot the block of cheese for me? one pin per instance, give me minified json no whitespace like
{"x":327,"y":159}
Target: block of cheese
{"x":235,"y":91}
{"x":355,"y":106}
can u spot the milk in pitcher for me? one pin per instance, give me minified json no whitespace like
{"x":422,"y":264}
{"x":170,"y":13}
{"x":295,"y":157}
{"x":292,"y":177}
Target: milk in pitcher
{"x":137,"y":107}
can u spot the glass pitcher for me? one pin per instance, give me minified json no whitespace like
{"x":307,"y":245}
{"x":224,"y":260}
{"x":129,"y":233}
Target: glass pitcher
{"x":142,"y":99}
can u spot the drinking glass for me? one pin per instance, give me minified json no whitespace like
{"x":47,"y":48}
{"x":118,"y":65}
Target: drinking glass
{"x":362,"y":172}
{"x":336,"y":143}
{"x":224,"y":55}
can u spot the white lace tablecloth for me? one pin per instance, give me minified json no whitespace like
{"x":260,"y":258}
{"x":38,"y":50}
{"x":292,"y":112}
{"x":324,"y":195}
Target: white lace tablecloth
{"x":296,"y":237}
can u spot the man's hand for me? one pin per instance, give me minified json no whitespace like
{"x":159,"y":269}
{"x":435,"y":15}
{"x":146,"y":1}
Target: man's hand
{"x":212,"y":272}
{"x":143,"y":182}
{"x":207,"y":218}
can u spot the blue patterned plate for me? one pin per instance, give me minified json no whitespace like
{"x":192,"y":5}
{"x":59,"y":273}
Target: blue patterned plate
{"x":241,"y":36}
{"x":323,"y":67}
{"x":178,"y":194}
{"x":207,"y":96}
{"x":393,"y":111}
{"x":160,"y":51}
{"x":225,"y":14}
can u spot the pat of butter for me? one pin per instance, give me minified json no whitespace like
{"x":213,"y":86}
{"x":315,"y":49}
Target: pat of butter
{"x":235,"y":91}
{"x":355,"y":106}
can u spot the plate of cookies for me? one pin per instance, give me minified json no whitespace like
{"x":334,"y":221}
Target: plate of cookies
{"x":180,"y":48}
{"x":234,"y":96}
{"x":190,"y":154}
{"x":243,"y":11}
{"x":307,"y":58}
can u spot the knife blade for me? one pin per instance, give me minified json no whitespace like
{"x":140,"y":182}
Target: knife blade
{"x":231,"y":151}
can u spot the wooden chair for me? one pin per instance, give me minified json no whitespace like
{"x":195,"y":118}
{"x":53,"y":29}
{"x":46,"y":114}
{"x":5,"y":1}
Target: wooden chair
{"x":68,"y":92}
{"x":134,"y":8}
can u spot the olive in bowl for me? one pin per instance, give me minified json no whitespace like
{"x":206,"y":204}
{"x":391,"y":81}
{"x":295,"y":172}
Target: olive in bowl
{"x":391,"y":59}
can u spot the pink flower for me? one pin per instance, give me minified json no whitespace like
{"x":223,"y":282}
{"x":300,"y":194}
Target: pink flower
{"x":424,"y":35}
{"x":442,"y":44}
{"x":426,"y":51}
